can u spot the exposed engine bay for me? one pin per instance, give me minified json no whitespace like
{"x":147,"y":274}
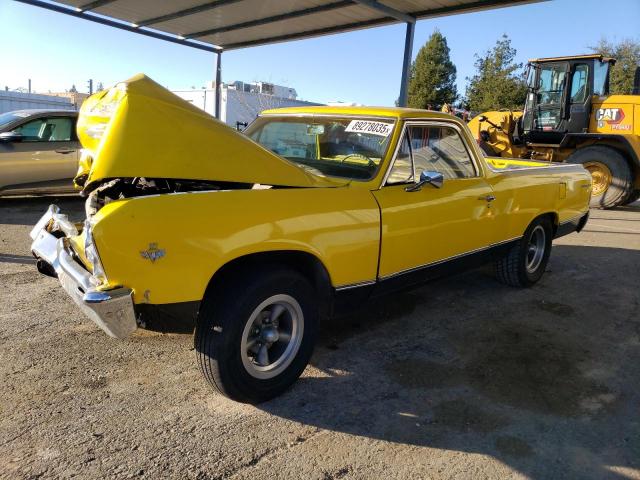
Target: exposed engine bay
{"x":121,"y":188}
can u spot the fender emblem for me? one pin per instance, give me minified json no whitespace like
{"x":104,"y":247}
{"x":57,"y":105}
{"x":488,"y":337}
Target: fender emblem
{"x":153,"y":253}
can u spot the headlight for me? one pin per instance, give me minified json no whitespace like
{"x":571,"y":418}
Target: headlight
{"x":96,"y":130}
{"x":91,"y":253}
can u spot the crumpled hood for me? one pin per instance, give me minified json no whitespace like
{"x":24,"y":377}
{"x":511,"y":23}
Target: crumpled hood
{"x":139,"y":129}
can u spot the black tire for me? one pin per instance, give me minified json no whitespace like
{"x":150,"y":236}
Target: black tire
{"x":621,"y":186}
{"x":634,"y":196}
{"x":223,"y":320}
{"x":517,"y":268}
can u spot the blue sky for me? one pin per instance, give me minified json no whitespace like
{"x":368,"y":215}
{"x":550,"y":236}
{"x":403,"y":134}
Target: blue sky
{"x":56,"y":51}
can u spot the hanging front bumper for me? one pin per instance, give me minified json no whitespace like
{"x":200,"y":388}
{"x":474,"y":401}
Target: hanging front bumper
{"x":111,"y":310}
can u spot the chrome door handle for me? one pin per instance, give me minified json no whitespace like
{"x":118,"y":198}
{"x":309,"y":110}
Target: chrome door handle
{"x":487,"y":198}
{"x":64,"y":151}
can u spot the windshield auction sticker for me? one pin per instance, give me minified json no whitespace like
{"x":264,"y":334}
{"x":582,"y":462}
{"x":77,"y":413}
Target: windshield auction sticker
{"x":366,"y":126}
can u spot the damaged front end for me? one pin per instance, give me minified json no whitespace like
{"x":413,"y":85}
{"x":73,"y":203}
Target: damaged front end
{"x":139,"y":140}
{"x":53,"y":238}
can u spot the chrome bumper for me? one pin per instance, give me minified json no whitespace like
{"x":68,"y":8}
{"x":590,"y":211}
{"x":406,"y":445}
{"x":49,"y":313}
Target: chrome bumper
{"x":111,"y":310}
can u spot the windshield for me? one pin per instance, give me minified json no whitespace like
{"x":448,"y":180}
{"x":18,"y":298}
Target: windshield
{"x":332,"y":146}
{"x":7,"y":118}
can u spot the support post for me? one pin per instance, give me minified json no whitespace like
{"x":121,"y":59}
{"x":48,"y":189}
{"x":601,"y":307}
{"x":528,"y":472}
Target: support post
{"x":406,"y":64}
{"x":218,"y":83}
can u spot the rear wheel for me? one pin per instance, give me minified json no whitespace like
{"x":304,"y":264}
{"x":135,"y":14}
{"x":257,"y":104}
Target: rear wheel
{"x":255,"y":335}
{"x":634,"y":196}
{"x":612,"y":179}
{"x":526,"y":261}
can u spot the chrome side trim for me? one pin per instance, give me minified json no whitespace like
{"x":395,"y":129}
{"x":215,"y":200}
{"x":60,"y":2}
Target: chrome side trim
{"x":355,"y":285}
{"x":444,"y":260}
{"x":527,"y":169}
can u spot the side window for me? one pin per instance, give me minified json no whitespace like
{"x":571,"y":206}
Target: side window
{"x":551,"y":84}
{"x":402,"y":170}
{"x":431,"y":148}
{"x":579,"y":84}
{"x":53,"y":129}
{"x":600,"y":70}
{"x":442,"y":150}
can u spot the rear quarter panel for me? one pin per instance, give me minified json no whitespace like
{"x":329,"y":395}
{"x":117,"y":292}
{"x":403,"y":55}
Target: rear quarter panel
{"x":525,"y":193}
{"x":200,"y":232}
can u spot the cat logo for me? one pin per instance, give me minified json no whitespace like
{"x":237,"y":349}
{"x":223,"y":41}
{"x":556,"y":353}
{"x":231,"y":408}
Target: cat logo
{"x":612,"y":116}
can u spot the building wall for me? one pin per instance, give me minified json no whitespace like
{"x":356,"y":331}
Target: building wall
{"x":244,"y":107}
{"x":76,"y":98}
{"x":236,"y":105}
{"x":10,"y":101}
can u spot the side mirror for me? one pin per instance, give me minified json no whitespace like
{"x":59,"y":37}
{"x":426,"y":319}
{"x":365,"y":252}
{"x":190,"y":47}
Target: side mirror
{"x":434,"y":179}
{"x":482,"y":118}
{"x":10,"y":137}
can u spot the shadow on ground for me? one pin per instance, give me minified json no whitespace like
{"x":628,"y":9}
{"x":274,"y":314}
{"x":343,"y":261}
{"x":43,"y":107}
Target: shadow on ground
{"x":28,"y":210}
{"x":543,"y":379}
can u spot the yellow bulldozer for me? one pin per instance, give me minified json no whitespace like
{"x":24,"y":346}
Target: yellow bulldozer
{"x":569,"y":116}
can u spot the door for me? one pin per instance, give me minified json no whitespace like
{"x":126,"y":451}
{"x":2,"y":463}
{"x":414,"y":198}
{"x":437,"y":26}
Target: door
{"x":47,"y":155}
{"x":579,"y":100}
{"x":430,"y":225}
{"x":545,"y":106}
{"x":550,"y":97}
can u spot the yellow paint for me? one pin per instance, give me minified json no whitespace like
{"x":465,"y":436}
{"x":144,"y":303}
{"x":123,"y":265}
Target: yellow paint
{"x":432,"y":224}
{"x":151,"y":132}
{"x":612,"y":115}
{"x":345,"y":225}
{"x":200,"y":232}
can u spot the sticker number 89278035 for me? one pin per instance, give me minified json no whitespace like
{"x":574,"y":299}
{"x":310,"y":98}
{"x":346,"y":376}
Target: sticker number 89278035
{"x":373,"y":128}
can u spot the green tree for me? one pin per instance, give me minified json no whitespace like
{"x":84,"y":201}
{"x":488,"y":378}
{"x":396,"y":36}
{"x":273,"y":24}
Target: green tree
{"x":498,"y":82}
{"x":433,"y":75}
{"x":627,"y":55}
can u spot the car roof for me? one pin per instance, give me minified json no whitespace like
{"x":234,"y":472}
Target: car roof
{"x":392,"y":112}
{"x":41,"y":111}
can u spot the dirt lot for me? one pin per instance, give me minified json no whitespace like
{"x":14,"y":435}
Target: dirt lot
{"x":463,"y":378}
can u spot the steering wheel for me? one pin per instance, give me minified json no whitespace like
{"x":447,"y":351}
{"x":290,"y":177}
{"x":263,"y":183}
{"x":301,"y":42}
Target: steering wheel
{"x":370,"y":163}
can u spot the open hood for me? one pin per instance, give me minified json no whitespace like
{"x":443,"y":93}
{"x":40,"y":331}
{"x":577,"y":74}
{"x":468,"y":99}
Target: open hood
{"x":139,"y":129}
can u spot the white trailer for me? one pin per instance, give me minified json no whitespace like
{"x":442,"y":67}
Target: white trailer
{"x":237,"y":107}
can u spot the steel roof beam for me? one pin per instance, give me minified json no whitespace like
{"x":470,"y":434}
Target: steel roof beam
{"x":306,"y":34}
{"x":93,"y":5}
{"x":406,"y":64}
{"x":478,"y":4}
{"x":387,"y":11}
{"x":275,"y":18}
{"x":121,"y":26}
{"x":187,"y":11}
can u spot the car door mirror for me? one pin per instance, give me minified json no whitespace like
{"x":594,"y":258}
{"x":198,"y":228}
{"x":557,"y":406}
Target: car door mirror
{"x":433,"y":178}
{"x":10,"y":137}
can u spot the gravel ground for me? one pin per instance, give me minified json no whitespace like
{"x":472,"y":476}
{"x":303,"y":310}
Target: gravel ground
{"x":463,"y":378}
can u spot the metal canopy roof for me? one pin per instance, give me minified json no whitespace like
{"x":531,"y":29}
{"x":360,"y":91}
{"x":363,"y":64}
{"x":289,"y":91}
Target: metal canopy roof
{"x":218,"y":25}
{"x":232,"y":24}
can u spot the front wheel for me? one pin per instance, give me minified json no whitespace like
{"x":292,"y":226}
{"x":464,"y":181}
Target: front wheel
{"x":611,"y":176}
{"x":255,"y":335}
{"x":526,"y":261}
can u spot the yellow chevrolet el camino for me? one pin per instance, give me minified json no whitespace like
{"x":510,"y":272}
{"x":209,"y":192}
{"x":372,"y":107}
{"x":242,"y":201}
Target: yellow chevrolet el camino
{"x":253,"y":238}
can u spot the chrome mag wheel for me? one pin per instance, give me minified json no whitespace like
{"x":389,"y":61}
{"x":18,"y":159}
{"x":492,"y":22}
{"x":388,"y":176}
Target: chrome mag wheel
{"x":272,"y":336}
{"x":536,"y":248}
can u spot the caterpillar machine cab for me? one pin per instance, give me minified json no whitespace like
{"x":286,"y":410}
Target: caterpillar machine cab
{"x":569,"y":116}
